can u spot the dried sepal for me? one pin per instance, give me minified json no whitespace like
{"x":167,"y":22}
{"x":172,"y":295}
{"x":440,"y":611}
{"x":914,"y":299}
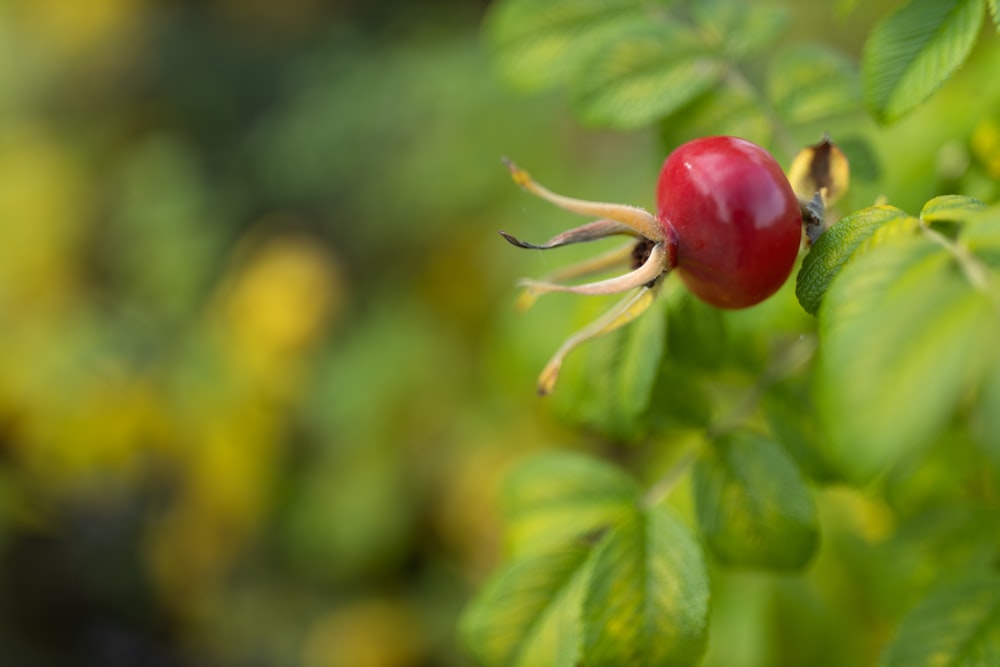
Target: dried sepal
{"x":592,"y":231}
{"x":654,"y":266}
{"x":621,"y":314}
{"x":821,"y":168}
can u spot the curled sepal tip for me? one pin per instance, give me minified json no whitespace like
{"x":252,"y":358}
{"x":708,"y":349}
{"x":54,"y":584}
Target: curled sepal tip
{"x":592,"y":231}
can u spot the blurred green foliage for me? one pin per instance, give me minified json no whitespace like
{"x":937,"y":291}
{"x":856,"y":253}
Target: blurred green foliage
{"x":248,"y":282}
{"x":811,"y":457}
{"x":260,"y":370}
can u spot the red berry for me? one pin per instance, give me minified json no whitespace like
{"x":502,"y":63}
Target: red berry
{"x":727,"y":221}
{"x":736,"y":223}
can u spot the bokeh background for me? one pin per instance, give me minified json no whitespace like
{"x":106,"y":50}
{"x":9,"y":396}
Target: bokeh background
{"x":253,"y":392}
{"x":260,"y":372}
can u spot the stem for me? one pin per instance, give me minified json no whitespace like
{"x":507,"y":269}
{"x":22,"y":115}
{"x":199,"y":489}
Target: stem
{"x":975,"y":271}
{"x":663,"y":487}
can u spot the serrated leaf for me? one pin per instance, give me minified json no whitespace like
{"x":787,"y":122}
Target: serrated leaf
{"x":911,"y":52}
{"x":753,"y":506}
{"x":950,"y":208}
{"x":541,"y":43}
{"x":810,"y":82}
{"x":528,"y":613}
{"x":957,"y":625}
{"x":836,"y":247}
{"x":645,"y":76}
{"x":620,"y":374}
{"x":739,"y":28}
{"x":647,"y":601}
{"x":556,"y":498}
{"x":904,"y":335}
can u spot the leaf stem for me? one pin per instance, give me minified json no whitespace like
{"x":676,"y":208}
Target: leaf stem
{"x":663,"y":486}
{"x":975,"y":271}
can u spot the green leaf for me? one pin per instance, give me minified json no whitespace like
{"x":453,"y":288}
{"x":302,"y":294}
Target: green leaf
{"x":950,"y":208}
{"x":904,"y":335}
{"x":647,"y":603}
{"x":739,"y":28}
{"x":646,"y":75}
{"x":790,"y":411}
{"x":810,"y":82}
{"x":836,"y":247}
{"x":994,"y":6}
{"x":539,"y":43}
{"x":911,"y":52}
{"x":558,"y":497}
{"x":947,"y":213}
{"x":528,"y":613}
{"x":957,"y":625}
{"x":753,"y":506}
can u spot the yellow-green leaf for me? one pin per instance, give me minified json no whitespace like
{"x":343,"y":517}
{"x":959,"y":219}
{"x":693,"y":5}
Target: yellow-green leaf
{"x":753,"y":506}
{"x":810,"y":82}
{"x":645,"y":76}
{"x":538,"y":43}
{"x":528,"y":613}
{"x":958,"y":625}
{"x":912,"y":51}
{"x":555,"y":498}
{"x":950,"y":208}
{"x":838,"y":245}
{"x":904,"y":336}
{"x":647,"y":601}
{"x":739,"y":28}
